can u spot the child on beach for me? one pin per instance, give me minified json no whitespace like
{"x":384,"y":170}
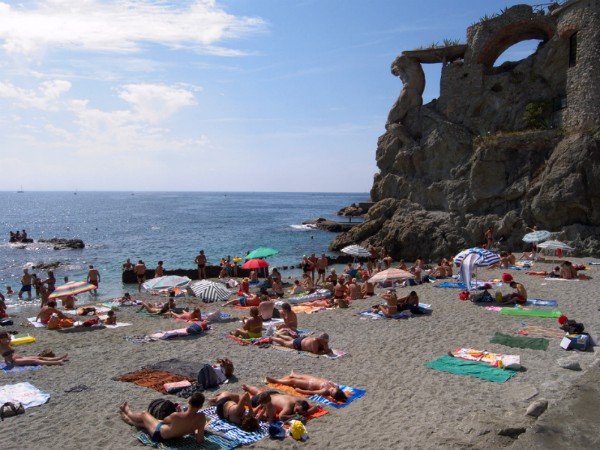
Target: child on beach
{"x":111,"y":318}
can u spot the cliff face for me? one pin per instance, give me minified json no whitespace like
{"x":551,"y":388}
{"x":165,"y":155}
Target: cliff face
{"x":508,"y":147}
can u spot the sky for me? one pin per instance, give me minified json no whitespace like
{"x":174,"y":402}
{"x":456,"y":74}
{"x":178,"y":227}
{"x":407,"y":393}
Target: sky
{"x":207,"y":95}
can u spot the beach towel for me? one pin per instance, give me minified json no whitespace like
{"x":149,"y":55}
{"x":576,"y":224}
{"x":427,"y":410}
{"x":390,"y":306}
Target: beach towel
{"x":493,"y":308}
{"x":594,"y":263}
{"x":99,"y":310}
{"x":25,"y":393}
{"x":116,"y":304}
{"x":232,"y":432}
{"x":490,"y":358}
{"x":117,"y":325}
{"x":153,"y":379}
{"x":534,"y":330}
{"x":541,"y":302}
{"x":317,"y":295}
{"x":187,"y":368}
{"x":470,"y":368}
{"x":560,"y":279}
{"x":334,"y":355}
{"x":379,"y":315}
{"x":17,"y":369}
{"x":32,"y":321}
{"x":450,"y":285}
{"x":351,"y":392}
{"x":312,"y":307}
{"x":520,"y":341}
{"x":211,"y":442}
{"x":139,"y":339}
{"x":550,"y":314}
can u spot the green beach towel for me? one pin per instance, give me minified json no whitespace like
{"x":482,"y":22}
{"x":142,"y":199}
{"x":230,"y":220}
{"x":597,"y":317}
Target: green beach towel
{"x":520,"y":341}
{"x":470,"y":368}
{"x":552,"y":314}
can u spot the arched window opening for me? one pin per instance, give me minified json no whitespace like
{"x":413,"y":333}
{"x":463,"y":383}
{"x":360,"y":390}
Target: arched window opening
{"x":517,"y":53}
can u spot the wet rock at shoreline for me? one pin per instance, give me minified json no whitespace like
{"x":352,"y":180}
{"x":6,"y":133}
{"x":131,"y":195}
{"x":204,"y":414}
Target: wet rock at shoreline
{"x":330,"y":225}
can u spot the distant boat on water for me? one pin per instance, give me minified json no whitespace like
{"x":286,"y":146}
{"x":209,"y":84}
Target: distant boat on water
{"x":20,"y":191}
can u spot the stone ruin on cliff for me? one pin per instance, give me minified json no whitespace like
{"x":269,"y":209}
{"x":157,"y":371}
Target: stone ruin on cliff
{"x":508,"y":146}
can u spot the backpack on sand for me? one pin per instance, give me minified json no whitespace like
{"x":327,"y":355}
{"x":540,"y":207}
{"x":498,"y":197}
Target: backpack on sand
{"x":207,"y":377}
{"x":10,"y":409}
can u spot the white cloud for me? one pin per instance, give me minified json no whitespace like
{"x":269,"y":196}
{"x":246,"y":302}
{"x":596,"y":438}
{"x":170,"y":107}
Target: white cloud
{"x":44,"y":97}
{"x":120,"y":25}
{"x":155,"y":102}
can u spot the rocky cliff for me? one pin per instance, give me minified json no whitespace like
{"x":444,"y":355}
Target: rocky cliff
{"x":507,"y":147}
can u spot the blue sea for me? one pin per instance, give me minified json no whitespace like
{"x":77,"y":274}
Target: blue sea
{"x":153,"y":226}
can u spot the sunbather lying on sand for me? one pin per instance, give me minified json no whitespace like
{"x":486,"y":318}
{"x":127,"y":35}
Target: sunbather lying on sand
{"x":158,"y":308}
{"x":195,"y":315}
{"x":411,"y":301}
{"x":317,"y":345}
{"x":285,"y":406}
{"x":12,"y":359}
{"x":173,"y":426}
{"x":252,"y":327}
{"x":85,"y":310}
{"x":244,"y":300}
{"x":237,"y":409}
{"x":309,"y":385}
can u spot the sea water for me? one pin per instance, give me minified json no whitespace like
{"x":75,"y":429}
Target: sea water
{"x":153,"y":226}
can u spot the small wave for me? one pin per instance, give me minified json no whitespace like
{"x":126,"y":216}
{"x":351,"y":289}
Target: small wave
{"x":155,"y":228}
{"x":307,"y":227}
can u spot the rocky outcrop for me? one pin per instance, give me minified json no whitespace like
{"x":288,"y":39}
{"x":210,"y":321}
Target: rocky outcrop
{"x":496,"y":149}
{"x":330,"y":225}
{"x":62,"y":244}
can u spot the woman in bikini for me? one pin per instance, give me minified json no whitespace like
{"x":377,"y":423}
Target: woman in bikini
{"x":12,"y":359}
{"x":195,"y":315}
{"x":309,"y":385}
{"x":236,"y":409}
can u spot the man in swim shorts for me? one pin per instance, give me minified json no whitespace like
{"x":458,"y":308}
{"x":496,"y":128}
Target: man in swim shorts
{"x":317,"y":345}
{"x":285,"y":406}
{"x":140,"y":273}
{"x":93,"y":276}
{"x":322,"y":264}
{"x":25,"y":284}
{"x":175,"y":425}
{"x":201,"y":261}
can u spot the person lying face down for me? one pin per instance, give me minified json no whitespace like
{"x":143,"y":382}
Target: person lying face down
{"x":317,"y":345}
{"x":175,"y":425}
{"x":13,"y":359}
{"x":310,"y":385}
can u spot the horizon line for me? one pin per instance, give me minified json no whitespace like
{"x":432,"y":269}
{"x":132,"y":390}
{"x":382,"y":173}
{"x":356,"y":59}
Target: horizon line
{"x":184,"y":192}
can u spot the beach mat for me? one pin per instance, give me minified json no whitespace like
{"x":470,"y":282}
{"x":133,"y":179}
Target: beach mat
{"x":379,"y":315}
{"x":232,"y":432}
{"x":535,"y":330}
{"x":211,"y":442}
{"x":25,"y":393}
{"x":544,"y":313}
{"x":351,"y":392}
{"x":335,"y":355}
{"x":153,"y":379}
{"x":520,"y":341}
{"x":17,"y":369}
{"x":470,"y":368}
{"x":32,"y":321}
{"x":312,"y":307}
{"x":541,"y":302}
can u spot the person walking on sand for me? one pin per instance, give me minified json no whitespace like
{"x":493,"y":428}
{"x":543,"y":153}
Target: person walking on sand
{"x":25,"y":284}
{"x":140,"y":273}
{"x":201,"y":261}
{"x":93,"y":277}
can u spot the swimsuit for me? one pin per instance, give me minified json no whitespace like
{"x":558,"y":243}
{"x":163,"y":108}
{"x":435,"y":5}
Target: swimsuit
{"x":221,"y":408}
{"x":156,"y":436}
{"x":297,"y":343}
{"x":254,"y":334}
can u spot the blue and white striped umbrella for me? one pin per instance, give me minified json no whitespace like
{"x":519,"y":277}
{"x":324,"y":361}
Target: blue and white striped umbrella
{"x":537,"y":236}
{"x":485,"y":257}
{"x":166,"y":282}
{"x":209,"y":291}
{"x":356,"y":251}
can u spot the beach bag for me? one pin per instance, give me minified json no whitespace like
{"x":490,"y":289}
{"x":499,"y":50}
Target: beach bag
{"x":10,"y":409}
{"x":161,"y":408}
{"x":6,"y":322}
{"x":207,"y":377}
{"x":463,"y":295}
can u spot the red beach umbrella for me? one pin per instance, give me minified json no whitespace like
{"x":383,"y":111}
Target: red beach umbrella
{"x":255,"y":264}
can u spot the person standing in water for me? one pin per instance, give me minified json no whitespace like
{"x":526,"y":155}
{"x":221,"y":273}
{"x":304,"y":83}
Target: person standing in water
{"x":25,"y":284}
{"x":201,"y":261}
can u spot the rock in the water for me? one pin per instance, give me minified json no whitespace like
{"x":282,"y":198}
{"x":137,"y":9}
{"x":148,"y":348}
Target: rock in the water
{"x":46,"y":265}
{"x":512,"y":432}
{"x":330,"y":225}
{"x":60,"y":244}
{"x":570,"y":363}
{"x":537,"y":408}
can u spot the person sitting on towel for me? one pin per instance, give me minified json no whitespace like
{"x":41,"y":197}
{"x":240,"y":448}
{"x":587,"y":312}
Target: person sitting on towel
{"x":317,"y":345}
{"x":290,"y":319}
{"x":252,"y":326}
{"x":285,"y":406}
{"x":354,"y":291}
{"x":12,"y":359}
{"x":309,"y":385}
{"x":237,"y":409}
{"x":277,"y":288}
{"x":111,"y":318}
{"x":411,"y":301}
{"x":47,"y":311}
{"x":194,"y":316}
{"x":175,"y":425}
{"x":391,"y":306}
{"x":520,"y":296}
{"x":160,"y":309}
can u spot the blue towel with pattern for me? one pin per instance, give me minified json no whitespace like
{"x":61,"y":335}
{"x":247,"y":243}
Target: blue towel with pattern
{"x":18,"y":369}
{"x":233,"y":432}
{"x":541,"y":302}
{"x":450,"y":285}
{"x":351,"y":392}
{"x":380,"y":315}
{"x":211,"y":442}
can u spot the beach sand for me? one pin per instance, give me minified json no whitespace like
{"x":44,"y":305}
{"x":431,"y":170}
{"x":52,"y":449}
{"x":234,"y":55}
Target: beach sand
{"x":406,"y":405}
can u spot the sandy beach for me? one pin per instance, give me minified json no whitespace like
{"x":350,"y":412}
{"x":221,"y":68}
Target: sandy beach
{"x":406,"y":405}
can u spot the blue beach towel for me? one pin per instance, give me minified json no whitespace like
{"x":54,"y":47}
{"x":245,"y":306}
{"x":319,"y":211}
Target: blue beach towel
{"x":450,"y":285}
{"x":594,"y":263}
{"x":351,"y":392}
{"x":541,"y":302}
{"x":380,"y":315}
{"x":18,"y":369}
